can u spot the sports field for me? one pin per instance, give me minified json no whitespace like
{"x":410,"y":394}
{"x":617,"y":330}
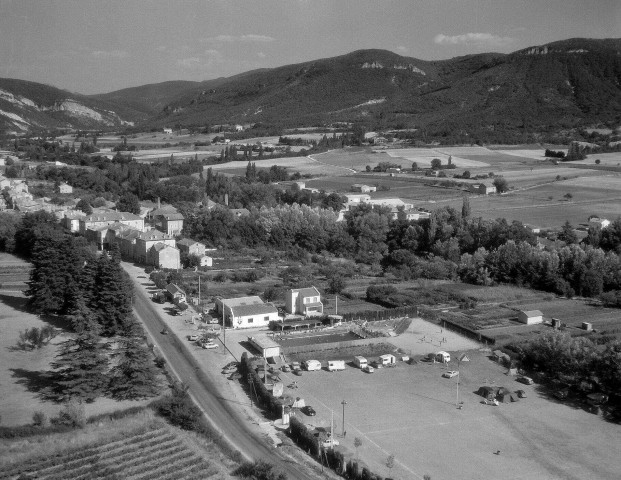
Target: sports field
{"x":410,"y":412}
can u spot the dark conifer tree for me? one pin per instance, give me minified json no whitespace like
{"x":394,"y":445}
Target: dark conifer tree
{"x":134,"y":376}
{"x":82,"y":366}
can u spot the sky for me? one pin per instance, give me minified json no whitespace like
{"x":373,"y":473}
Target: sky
{"x":98,"y":46}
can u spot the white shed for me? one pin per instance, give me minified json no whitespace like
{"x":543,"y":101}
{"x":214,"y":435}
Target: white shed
{"x":266,"y":346}
{"x":387,"y":359}
{"x":530,"y":317}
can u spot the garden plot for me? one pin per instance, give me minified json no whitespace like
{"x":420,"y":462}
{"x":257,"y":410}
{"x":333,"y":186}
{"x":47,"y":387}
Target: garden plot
{"x":424,"y":156}
{"x":535,"y":154}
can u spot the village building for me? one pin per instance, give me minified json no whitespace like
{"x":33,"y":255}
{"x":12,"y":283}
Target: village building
{"x":601,"y":222}
{"x":190,"y":247}
{"x":145,"y":240}
{"x":174,"y":293}
{"x":126,"y":240}
{"x":169,"y":223}
{"x":206,"y":261}
{"x":304,"y":301}
{"x":97,"y":220}
{"x":359,"y":187}
{"x":71,"y":220}
{"x":246,"y":312}
{"x":161,"y":255}
{"x":482,"y":188}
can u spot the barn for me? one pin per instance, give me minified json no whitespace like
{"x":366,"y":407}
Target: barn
{"x":530,"y":317}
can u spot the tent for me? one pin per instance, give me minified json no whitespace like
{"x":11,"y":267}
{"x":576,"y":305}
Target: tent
{"x":487,"y":392}
{"x":299,"y":403}
{"x":505,"y":395}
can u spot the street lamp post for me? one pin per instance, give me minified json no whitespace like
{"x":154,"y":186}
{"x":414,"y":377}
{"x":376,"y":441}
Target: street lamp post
{"x":343,"y":427}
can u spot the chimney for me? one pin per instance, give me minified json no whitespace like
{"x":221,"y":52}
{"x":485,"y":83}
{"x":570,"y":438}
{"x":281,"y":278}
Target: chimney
{"x":226,"y":199}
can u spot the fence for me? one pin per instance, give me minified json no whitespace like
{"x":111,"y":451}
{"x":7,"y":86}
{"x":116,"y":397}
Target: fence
{"x":320,"y":347}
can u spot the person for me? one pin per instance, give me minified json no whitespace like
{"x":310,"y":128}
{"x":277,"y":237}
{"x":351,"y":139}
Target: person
{"x":497,"y":452}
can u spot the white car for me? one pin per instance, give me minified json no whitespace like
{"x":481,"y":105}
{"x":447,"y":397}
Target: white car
{"x":193,"y":338}
{"x":329,"y":442}
{"x":451,"y":374}
{"x":368,"y":369}
{"x":210,"y":345}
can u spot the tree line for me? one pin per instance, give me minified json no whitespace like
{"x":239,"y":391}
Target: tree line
{"x":106,"y":354}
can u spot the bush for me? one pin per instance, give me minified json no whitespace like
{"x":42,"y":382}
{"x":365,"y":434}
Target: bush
{"x":39,"y":419}
{"x":72,"y":415}
{"x":259,"y":470}
{"x":179,"y":410}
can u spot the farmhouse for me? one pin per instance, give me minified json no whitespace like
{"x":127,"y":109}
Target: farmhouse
{"x":304,"y":301}
{"x":246,"y":312}
{"x":391,"y":203}
{"x":71,"y":220}
{"x":393,"y":170}
{"x":359,"y":187}
{"x":355,"y":199}
{"x":530,"y":317}
{"x":206,"y":261}
{"x":482,"y":189}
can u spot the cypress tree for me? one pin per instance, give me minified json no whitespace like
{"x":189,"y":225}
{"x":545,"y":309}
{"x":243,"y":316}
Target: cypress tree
{"x":134,"y":376}
{"x":465,"y":208}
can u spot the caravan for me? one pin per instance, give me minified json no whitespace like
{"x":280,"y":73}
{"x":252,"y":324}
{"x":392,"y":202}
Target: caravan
{"x":311,"y":365}
{"x":334,"y":365}
{"x":360,"y":362}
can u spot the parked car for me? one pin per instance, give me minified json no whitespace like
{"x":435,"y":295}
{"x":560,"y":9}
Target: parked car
{"x":209,"y":345}
{"x":285,"y":368}
{"x":297,"y":372}
{"x":308,"y":410}
{"x":164,"y":332}
{"x":368,"y":369}
{"x":525,"y":380}
{"x":193,"y":338}
{"x":295,"y":366}
{"x":450,"y":374}
{"x":521,"y":393}
{"x":491,"y":401}
{"x":329,"y":442}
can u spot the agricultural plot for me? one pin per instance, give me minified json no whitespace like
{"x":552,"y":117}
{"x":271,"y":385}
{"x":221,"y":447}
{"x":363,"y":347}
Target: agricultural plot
{"x":424,"y":156}
{"x":606,"y":159}
{"x":353,"y":159}
{"x":304,"y":165}
{"x":159,"y":453}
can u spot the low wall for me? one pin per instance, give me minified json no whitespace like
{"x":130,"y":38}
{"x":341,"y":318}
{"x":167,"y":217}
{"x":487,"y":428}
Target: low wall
{"x":320,"y":347}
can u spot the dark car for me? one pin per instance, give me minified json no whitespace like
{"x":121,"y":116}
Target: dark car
{"x":308,"y":410}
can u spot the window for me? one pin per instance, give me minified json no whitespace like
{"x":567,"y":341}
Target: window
{"x":267,"y":318}
{"x":250,"y":320}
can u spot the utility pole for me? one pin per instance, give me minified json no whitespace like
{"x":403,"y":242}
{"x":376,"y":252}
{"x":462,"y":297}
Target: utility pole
{"x":343,"y":428}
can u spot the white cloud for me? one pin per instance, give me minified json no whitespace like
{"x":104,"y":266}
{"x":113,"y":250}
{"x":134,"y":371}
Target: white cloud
{"x":190,"y":63}
{"x":486,"y":39}
{"x":402,"y":49}
{"x":250,"y":38}
{"x":110,"y":54}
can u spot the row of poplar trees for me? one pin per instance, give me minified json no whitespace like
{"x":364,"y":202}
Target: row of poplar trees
{"x":106,"y":353}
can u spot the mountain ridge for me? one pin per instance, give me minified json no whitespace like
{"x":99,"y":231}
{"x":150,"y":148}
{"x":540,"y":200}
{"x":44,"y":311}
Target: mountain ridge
{"x":562,"y":84}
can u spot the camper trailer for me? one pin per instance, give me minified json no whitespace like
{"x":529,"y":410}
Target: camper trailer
{"x":387,"y":359}
{"x":311,"y":365}
{"x":443,"y":357}
{"x":360,"y":362}
{"x":334,"y":365}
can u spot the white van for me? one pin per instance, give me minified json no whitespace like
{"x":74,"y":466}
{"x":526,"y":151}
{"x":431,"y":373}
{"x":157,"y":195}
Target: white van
{"x":334,"y":365}
{"x":360,"y":362}
{"x":311,"y":365}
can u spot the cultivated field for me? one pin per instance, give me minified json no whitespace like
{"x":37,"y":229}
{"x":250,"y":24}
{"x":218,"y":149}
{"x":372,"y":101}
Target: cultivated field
{"x":424,"y":156}
{"x":304,"y":165}
{"x":410,"y":412}
{"x":137,"y":447}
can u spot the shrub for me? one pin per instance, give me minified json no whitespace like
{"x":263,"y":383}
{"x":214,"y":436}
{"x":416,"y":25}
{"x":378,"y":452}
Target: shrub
{"x":72,"y":415}
{"x":39,"y":419}
{"x":259,"y":470}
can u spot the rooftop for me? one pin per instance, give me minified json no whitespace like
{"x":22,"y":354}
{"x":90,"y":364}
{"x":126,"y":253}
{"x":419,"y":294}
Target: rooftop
{"x":255,"y":309}
{"x":307,"y":292}
{"x":241,"y":301}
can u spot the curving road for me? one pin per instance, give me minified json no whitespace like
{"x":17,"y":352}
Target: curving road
{"x":204,"y":391}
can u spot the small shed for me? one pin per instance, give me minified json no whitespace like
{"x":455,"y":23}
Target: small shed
{"x":266,"y":346}
{"x":530,"y":317}
{"x":387,"y":359}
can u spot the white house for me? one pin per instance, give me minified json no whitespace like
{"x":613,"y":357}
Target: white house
{"x":304,"y":301}
{"x":246,"y":312}
{"x":530,"y":317}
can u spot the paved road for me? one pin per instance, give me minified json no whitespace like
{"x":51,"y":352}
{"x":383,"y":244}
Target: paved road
{"x":224,"y":417}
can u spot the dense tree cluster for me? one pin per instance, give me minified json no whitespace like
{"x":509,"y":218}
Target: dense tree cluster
{"x":95,"y":294}
{"x":576,"y":361}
